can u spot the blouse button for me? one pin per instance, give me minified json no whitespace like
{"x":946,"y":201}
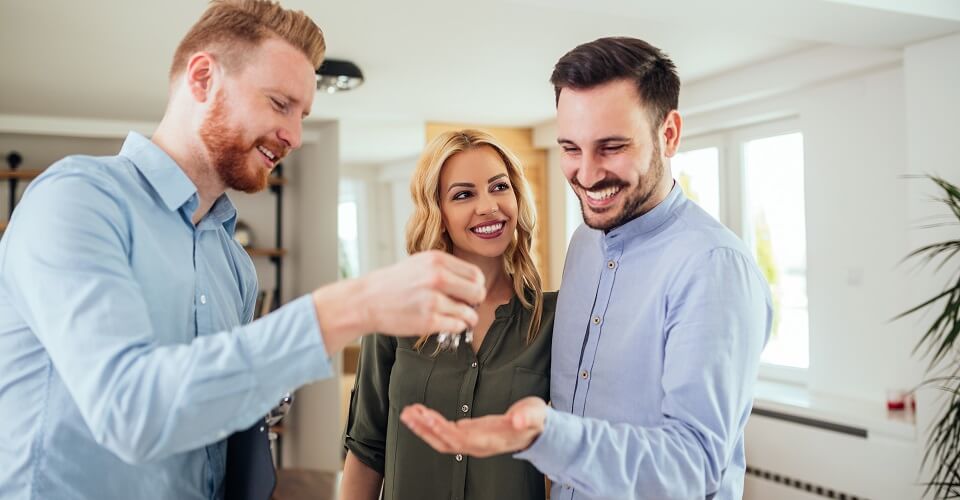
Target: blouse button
{"x":464,"y":408}
{"x":473,"y":365}
{"x":459,"y":457}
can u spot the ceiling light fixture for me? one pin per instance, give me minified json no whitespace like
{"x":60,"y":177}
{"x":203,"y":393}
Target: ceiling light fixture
{"x":338,"y":75}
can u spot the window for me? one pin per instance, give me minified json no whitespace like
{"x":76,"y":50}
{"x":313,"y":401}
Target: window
{"x":574,"y":215}
{"x":348,"y":230}
{"x":774,"y":228}
{"x":698,"y":173}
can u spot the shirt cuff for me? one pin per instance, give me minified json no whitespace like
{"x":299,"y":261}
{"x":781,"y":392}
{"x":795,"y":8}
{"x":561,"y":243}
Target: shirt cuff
{"x":560,"y":439}
{"x":286,"y":346}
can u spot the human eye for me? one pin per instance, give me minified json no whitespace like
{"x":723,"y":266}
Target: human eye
{"x":613,"y":149}
{"x":279,"y":105}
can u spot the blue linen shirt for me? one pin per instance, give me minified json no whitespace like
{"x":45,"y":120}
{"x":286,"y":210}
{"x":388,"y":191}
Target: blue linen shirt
{"x":125,"y":360}
{"x":657,"y":339}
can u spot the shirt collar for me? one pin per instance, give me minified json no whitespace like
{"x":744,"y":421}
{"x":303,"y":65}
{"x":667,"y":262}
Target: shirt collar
{"x":171,"y":182}
{"x":651,"y":220}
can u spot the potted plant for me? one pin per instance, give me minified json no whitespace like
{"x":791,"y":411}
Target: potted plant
{"x":940,"y":343}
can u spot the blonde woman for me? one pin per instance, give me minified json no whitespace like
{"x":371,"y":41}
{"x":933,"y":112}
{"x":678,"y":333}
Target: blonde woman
{"x":471,"y":200}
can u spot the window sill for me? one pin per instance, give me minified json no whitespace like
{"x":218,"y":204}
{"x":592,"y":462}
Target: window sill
{"x":873,"y":417}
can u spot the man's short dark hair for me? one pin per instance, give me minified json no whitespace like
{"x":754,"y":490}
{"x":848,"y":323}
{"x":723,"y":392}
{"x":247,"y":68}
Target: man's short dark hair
{"x":622,"y":58}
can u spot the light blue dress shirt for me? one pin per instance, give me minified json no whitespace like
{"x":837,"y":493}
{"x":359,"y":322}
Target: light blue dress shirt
{"x":657,"y":339}
{"x":125,"y":360}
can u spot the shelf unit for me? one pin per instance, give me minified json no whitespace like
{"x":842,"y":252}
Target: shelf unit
{"x":13,"y":174}
{"x":276,"y":183}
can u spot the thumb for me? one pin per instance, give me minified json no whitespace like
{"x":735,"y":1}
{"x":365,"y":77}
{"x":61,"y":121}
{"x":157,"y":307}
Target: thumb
{"x":519,"y":419}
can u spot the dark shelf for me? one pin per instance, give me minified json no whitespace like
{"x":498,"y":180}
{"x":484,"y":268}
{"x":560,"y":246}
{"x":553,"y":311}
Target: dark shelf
{"x":266,"y":252}
{"x":20,"y":174}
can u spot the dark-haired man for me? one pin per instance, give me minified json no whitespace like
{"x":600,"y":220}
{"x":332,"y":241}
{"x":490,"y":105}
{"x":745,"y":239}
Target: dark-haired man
{"x":662,"y":313}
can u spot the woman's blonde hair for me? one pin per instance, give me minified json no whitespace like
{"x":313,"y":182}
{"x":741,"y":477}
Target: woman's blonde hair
{"x":425,"y":228}
{"x":231,"y":28}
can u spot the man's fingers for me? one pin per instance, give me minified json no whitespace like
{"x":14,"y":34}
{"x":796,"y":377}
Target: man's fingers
{"x":461,"y":268}
{"x":454,"y":316}
{"x":457,"y":287}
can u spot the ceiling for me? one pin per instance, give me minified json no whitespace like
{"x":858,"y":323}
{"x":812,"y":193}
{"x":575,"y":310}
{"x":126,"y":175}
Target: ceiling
{"x":426,"y":60}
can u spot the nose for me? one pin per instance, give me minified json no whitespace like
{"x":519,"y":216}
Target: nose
{"x":292,"y":134}
{"x":589,"y":172}
{"x":487,"y":205}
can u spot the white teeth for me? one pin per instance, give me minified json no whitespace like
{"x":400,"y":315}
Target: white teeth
{"x":489,"y":229}
{"x":604,"y":193}
{"x":267,"y":152}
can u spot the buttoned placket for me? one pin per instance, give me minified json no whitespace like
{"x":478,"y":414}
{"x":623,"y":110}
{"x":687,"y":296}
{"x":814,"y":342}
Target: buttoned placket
{"x":612,"y":253}
{"x":465,"y":410}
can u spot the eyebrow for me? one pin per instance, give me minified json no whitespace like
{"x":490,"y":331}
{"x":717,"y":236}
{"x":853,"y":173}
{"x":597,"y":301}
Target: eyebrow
{"x":603,"y":140}
{"x":472,"y":185}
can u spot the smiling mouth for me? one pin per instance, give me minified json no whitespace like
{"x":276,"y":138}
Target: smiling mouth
{"x":603,"y":194}
{"x":269,"y":155}
{"x":489,"y":229}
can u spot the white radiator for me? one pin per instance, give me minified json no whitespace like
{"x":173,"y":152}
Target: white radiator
{"x":803,"y":458}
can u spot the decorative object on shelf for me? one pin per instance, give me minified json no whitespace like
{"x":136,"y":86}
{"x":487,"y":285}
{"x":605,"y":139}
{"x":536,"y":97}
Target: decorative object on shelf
{"x":338,"y":75}
{"x":243,"y":235}
{"x":939,"y":343}
{"x":13,"y":174}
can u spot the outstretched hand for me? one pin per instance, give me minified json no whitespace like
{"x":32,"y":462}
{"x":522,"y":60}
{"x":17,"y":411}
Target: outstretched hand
{"x":482,"y":436}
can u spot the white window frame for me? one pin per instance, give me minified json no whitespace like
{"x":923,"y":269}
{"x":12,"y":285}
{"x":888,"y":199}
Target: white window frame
{"x":730,"y":144}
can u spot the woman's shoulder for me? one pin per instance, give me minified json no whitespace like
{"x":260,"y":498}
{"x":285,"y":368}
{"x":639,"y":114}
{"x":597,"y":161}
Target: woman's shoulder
{"x":550,"y":301}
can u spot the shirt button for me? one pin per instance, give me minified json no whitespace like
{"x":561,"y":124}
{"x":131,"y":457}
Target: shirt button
{"x":473,"y":365}
{"x":464,"y":408}
{"x":203,"y":299}
{"x":611,"y":264}
{"x":596,"y":320}
{"x":584,"y":374}
{"x":459,"y":457}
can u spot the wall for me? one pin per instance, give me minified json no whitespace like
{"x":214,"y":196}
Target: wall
{"x":315,"y":426}
{"x":931,"y":80}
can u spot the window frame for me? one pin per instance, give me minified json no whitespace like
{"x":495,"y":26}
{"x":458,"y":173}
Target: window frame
{"x":733,"y":198}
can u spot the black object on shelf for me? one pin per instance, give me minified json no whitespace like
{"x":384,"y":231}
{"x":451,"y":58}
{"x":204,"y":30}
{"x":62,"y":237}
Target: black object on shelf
{"x":13,"y":161}
{"x":277,"y":260}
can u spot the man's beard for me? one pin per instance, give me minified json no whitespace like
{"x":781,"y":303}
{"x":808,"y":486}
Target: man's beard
{"x":230,"y":154}
{"x":634,"y":200}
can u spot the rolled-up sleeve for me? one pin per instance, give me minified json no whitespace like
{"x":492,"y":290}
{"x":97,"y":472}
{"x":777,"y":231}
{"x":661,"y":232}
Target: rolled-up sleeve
{"x":366,"y":432}
{"x":66,"y":268}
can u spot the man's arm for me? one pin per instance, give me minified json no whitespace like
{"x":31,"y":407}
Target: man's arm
{"x":716,"y":328}
{"x":144,"y":401}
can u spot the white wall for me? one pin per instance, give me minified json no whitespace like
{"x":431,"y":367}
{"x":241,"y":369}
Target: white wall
{"x":931,"y":80}
{"x":314,"y":428}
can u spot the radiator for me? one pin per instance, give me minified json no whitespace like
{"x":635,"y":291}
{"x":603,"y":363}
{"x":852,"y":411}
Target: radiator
{"x":792,"y":457}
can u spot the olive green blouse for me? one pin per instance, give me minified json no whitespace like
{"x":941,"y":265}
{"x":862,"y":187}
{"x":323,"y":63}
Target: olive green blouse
{"x":392,"y":374}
